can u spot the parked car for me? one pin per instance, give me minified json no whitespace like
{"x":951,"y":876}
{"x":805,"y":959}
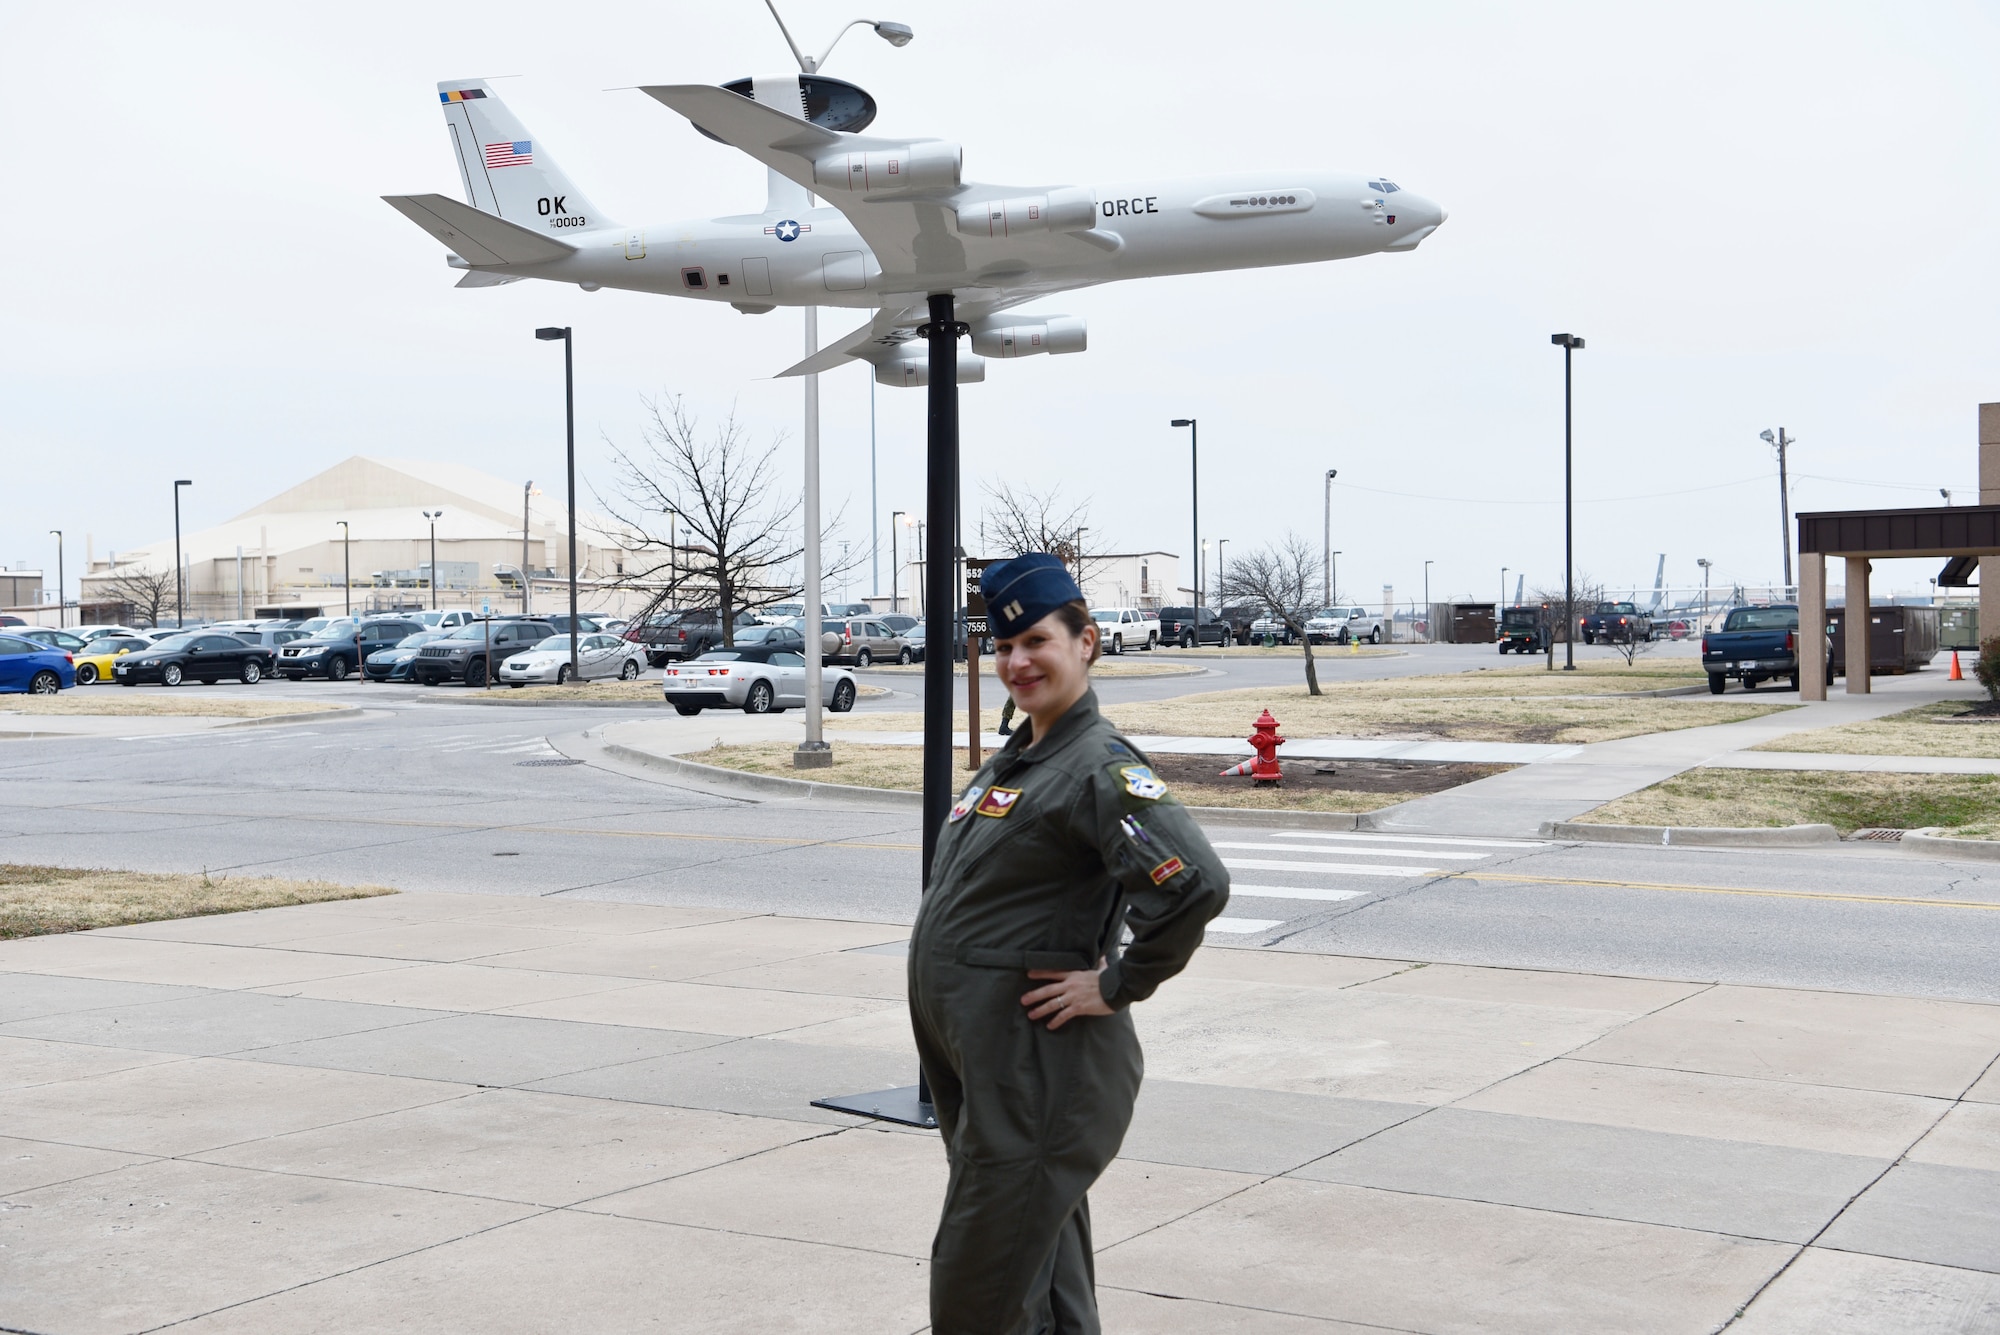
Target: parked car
{"x":434,"y":619}
{"x":95,"y":660}
{"x":89,"y":633}
{"x":1344,"y":625}
{"x":34,"y":667}
{"x":1754,"y":645}
{"x":590,"y":621}
{"x":851,"y":610}
{"x":273,"y":638}
{"x":341,"y":647}
{"x":1190,"y":626}
{"x":464,"y":655}
{"x":198,"y":655}
{"x":1619,"y":622}
{"x":699,"y":631}
{"x":54,"y":639}
{"x":900,"y":622}
{"x":1272,"y":629}
{"x":1122,"y":628}
{"x":863,"y":640}
{"x":597,"y":656}
{"x":395,"y":662}
{"x":8,"y":619}
{"x":1524,"y":630}
{"x":755,"y":679}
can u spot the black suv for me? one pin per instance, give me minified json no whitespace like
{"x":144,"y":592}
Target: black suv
{"x":341,"y":648}
{"x":1189,"y":626}
{"x":469,"y":653}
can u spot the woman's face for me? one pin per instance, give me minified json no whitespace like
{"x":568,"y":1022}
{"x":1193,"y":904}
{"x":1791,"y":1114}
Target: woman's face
{"x":1045,"y":666}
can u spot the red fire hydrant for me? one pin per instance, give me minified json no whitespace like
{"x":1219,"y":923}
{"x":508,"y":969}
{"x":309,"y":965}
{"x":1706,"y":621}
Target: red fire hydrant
{"x":1264,"y":740}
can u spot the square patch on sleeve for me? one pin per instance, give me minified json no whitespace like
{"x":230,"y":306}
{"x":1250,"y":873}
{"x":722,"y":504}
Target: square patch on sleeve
{"x":964,"y":806}
{"x":998,"y":801}
{"x":1167,"y":870}
{"x":1140,"y":781}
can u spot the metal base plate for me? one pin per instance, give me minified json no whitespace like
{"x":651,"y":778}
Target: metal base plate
{"x":887,"y":1105}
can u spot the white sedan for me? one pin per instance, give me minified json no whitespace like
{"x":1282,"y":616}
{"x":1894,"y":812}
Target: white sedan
{"x":596,"y":656}
{"x":754,"y":679}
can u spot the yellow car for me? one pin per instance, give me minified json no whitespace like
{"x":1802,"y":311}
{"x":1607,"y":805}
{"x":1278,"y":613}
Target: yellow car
{"x":93,"y":661}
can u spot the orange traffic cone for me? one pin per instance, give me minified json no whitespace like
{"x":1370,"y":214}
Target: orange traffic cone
{"x":1956,"y":675}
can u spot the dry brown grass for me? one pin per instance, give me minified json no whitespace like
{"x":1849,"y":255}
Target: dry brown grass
{"x":36,"y":901}
{"x":1914,"y":732}
{"x":157,"y":702}
{"x":901,"y":767}
{"x":1846,"y":800}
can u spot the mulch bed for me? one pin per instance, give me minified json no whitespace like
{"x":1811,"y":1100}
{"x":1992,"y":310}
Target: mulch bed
{"x":1980,"y":711}
{"x":1185,"y":773}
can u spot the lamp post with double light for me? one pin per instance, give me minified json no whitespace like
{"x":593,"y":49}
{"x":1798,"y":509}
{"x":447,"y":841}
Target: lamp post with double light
{"x":1194,"y":499}
{"x":895,"y":568}
{"x":433,"y":516}
{"x":1430,"y":629}
{"x":1704,"y":563}
{"x":550,"y":334}
{"x":346,"y":570}
{"x":180,"y":607}
{"x":1326,"y":537}
{"x":1569,"y":343}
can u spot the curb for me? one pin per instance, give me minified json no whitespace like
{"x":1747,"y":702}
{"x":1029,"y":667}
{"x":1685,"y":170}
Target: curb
{"x":767,"y":787}
{"x":1695,"y":836}
{"x":316,"y":716}
{"x":1924,"y":841}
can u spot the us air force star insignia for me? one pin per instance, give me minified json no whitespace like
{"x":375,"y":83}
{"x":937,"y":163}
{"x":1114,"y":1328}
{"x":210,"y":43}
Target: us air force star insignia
{"x":964,"y":807}
{"x":998,"y":801}
{"x":1140,"y":781}
{"x":787,"y":230}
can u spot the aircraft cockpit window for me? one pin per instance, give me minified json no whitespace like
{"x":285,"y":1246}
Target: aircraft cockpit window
{"x":1386,"y":187}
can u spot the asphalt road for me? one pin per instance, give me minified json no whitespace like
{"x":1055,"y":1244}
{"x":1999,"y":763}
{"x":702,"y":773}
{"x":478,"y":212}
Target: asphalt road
{"x":426,"y":793}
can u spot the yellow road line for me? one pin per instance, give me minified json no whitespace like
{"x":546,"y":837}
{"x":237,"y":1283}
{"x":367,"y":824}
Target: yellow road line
{"x":1722,"y":890}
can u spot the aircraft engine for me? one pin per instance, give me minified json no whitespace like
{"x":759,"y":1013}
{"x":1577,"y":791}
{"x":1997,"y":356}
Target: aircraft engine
{"x":1057,"y":334}
{"x":1070,"y":209}
{"x":912,"y":370}
{"x":931,"y":164}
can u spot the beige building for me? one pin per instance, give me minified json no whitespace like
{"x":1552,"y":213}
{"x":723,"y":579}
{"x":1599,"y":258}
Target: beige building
{"x":288,"y":552}
{"x":1147,"y":580}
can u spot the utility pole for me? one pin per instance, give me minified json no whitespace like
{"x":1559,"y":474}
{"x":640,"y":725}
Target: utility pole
{"x":1779,"y":442}
{"x":180,"y":607}
{"x":433,"y":516}
{"x":346,"y":569}
{"x":62,"y":582}
{"x":1569,"y":343}
{"x":1194,"y":498}
{"x":1326,"y":539}
{"x":527,"y":490}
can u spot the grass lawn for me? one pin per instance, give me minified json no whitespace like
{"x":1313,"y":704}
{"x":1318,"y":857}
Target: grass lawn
{"x":1847,"y":801}
{"x":866,"y":766}
{"x":156,"y":702}
{"x":1914,"y":732}
{"x":36,"y":901}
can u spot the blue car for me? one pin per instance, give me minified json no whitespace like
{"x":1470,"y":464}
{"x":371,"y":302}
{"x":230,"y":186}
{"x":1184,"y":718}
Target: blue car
{"x":34,"y":668}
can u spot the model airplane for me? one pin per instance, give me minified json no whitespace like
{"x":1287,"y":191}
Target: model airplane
{"x":903,"y":223}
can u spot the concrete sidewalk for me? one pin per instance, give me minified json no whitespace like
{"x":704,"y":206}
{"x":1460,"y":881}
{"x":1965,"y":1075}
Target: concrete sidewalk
{"x":470,"y":1113}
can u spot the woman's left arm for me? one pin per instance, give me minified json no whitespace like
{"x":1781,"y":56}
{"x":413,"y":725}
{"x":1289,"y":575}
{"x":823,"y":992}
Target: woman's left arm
{"x":1173,"y":881}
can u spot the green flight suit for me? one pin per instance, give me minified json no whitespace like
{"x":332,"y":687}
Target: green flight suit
{"x":1046,"y":859}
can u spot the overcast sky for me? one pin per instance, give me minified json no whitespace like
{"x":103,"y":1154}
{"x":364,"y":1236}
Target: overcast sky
{"x":1758,"y":215}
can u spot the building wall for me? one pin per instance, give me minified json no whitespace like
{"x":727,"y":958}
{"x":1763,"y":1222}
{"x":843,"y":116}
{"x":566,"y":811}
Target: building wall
{"x":1133,"y":579}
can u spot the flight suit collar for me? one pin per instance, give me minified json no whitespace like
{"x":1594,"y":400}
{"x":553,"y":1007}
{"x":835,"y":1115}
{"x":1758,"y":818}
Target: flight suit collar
{"x":1080,"y":716}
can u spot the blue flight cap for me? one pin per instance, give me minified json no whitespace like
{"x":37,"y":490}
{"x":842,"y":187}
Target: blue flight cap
{"x":1022,"y":591}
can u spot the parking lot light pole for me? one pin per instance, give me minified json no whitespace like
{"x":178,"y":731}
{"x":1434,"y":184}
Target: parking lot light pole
{"x":433,"y":516}
{"x":1502,"y":604}
{"x":549,"y":334}
{"x":1326,"y":538}
{"x":1704,"y":563}
{"x":346,"y":570}
{"x":1194,"y":499}
{"x":1430,"y":631}
{"x":895,"y":570}
{"x":62,"y":582}
{"x":1569,"y":343}
{"x":180,"y":608}
{"x":1220,"y":584}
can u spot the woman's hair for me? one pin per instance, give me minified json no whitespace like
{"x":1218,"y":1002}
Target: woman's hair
{"x":1075,"y":614}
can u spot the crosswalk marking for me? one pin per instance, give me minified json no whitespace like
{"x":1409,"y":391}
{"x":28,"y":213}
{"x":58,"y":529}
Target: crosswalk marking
{"x":1350,"y":852}
{"x":1388,"y":838}
{"x":1294,"y":892}
{"x":1328,"y":868}
{"x":1244,"y":924}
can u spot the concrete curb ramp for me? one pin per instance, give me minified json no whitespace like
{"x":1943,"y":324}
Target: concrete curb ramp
{"x":772,"y":787}
{"x":1933,"y":844}
{"x":1791,"y":836}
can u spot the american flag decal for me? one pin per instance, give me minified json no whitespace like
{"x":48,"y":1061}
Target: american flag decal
{"x":520,"y":153}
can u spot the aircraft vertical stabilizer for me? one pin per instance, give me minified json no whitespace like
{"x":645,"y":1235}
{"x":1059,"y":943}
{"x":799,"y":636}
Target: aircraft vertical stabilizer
{"x":505,"y":170}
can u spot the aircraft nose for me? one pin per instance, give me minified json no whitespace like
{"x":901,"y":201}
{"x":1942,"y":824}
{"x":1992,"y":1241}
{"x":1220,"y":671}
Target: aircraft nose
{"x":1426,"y":212}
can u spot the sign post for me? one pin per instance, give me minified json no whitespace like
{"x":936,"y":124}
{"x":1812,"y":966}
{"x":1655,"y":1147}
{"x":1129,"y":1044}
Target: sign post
{"x":975,"y":630}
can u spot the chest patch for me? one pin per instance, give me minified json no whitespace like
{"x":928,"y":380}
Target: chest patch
{"x":1167,"y":870}
{"x":1140,"y":781}
{"x":965,"y":804}
{"x":998,"y":801}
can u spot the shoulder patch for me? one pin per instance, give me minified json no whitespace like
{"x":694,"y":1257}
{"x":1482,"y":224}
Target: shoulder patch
{"x":1117,"y":748}
{"x":965,"y":804}
{"x":1167,"y":870}
{"x":1140,"y":781}
{"x":998,"y":801}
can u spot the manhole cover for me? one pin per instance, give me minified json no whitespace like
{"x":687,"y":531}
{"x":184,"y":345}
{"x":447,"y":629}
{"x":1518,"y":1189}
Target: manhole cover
{"x":563,"y":760}
{"x":1881,"y":835}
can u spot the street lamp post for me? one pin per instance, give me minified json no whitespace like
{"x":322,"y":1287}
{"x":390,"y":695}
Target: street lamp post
{"x":1569,"y":343}
{"x":1333,"y":569}
{"x":1220,"y":582}
{"x":895,"y":569}
{"x":569,"y":416}
{"x":434,"y":516}
{"x":180,"y":607}
{"x":1779,"y":442}
{"x":1502,"y":604}
{"x":346,"y":569}
{"x":1704,"y":563}
{"x":1326,"y":538}
{"x":1430,"y":630}
{"x":527,"y":490}
{"x":62,"y":583}
{"x":1194,"y":498}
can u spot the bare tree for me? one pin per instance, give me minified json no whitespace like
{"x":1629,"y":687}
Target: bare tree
{"x":147,"y":591}
{"x":1589,"y":593}
{"x":1285,"y":580}
{"x":733,"y":543}
{"x":1021,"y":519}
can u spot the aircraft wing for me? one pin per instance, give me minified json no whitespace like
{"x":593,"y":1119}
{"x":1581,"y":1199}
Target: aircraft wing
{"x":896,"y":324}
{"x":912,"y":232}
{"x":477,"y":238}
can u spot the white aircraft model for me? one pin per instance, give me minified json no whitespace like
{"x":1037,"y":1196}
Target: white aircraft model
{"x":903,"y":223}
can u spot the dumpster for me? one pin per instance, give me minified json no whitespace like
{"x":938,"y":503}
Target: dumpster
{"x":1958,"y":626}
{"x":1900,"y":639}
{"x":1473,"y":623}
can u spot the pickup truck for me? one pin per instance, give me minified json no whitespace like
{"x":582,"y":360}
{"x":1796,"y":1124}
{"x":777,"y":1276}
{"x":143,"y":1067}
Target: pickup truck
{"x":1754,"y":645}
{"x":1189,"y":626}
{"x":1344,"y":625}
{"x":1621,"y":623}
{"x":1122,"y":628}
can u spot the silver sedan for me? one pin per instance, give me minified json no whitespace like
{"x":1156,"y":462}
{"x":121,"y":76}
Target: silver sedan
{"x":597,"y":656}
{"x":755,"y":680}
